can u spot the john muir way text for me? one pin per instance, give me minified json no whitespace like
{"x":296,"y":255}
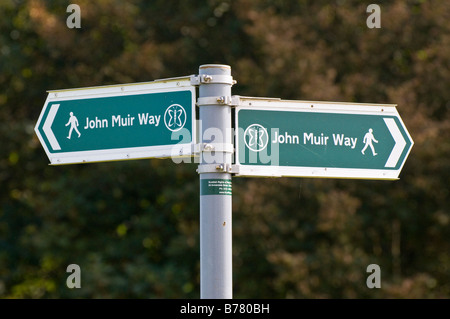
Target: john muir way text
{"x":122,"y":120}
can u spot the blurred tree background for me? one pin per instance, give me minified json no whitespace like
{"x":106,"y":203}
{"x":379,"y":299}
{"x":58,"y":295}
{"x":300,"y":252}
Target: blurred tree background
{"x":132,"y":226}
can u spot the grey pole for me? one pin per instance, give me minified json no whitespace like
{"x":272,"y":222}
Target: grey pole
{"x":215,"y":182}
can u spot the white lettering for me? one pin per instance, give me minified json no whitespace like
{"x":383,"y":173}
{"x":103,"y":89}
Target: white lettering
{"x":315,"y":139}
{"x":115,"y":119}
{"x":338,"y":139}
{"x":96,"y":123}
{"x":286,"y":138}
{"x":74,"y":280}
{"x":341,"y":139}
{"x":374,"y":280}
{"x":145,"y":118}
{"x":353,"y":141}
{"x":73,"y":20}
{"x":197,"y":309}
{"x":122,"y":121}
{"x":374,"y":19}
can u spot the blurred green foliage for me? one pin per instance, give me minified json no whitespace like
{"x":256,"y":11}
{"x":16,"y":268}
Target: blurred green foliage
{"x":132,"y":226}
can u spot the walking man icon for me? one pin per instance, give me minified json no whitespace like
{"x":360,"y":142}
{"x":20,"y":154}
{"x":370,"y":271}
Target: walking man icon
{"x":368,"y":139}
{"x":73,"y":121}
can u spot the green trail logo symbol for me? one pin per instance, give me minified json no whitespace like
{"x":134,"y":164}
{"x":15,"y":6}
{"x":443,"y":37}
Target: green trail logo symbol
{"x":175,"y":117}
{"x":256,"y":137}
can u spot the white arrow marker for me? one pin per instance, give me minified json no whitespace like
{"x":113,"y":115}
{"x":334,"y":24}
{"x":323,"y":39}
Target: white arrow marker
{"x":400,"y":142}
{"x":48,"y":127}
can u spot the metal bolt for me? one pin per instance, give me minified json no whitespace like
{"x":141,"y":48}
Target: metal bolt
{"x":208,"y":147}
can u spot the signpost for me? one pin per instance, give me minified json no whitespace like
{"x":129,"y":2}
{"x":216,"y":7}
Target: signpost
{"x":320,"y":139}
{"x":273,"y":137}
{"x":119,"y":122}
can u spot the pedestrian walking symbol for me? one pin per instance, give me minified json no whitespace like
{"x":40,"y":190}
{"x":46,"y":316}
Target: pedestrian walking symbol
{"x":368,"y":139}
{"x":73,"y":121}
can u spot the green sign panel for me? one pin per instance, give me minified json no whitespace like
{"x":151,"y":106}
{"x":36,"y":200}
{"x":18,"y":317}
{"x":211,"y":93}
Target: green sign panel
{"x":119,"y":122}
{"x":317,"y":139}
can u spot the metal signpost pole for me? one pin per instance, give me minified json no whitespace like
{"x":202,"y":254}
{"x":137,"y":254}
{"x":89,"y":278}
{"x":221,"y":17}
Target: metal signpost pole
{"x":216,"y":150}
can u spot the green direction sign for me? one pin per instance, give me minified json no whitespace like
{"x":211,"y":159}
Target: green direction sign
{"x":320,"y":139}
{"x":142,"y":120}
